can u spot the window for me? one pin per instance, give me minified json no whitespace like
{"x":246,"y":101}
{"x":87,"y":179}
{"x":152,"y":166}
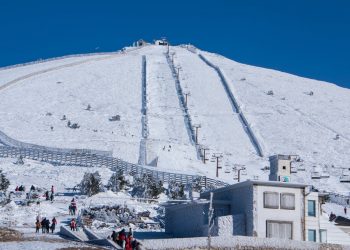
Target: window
{"x":311,"y":208}
{"x":287,"y":201}
{"x":271,"y":200}
{"x":279,"y":229}
{"x":311,"y":235}
{"x":323,"y":235}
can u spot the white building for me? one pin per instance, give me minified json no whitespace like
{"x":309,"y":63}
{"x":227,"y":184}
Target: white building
{"x":162,"y":42}
{"x":252,"y":208}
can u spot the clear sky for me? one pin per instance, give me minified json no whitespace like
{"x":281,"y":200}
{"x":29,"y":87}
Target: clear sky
{"x":309,"y":38}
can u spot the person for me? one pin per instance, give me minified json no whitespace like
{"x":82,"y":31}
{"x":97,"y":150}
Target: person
{"x":345,"y":210}
{"x":332,"y":216}
{"x":73,"y":225}
{"x":74,"y":206}
{"x":114,"y":236}
{"x":47,"y":195}
{"x":20,"y":188}
{"x":51,"y":197}
{"x":53,"y":224}
{"x":37,"y":226}
{"x":43,"y":225}
{"x":32,"y":188}
{"x":121,"y":238}
{"x":70,"y":209}
{"x":52,"y":189}
{"x":128,"y":242}
{"x":47,"y":225}
{"x":17,"y":189}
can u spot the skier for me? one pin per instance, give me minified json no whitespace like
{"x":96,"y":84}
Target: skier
{"x":32,"y":188}
{"x":37,"y":226}
{"x":53,"y":224}
{"x":51,"y":197}
{"x":345,"y":210}
{"x":47,"y":195}
{"x":17,"y":189}
{"x":52,"y":189}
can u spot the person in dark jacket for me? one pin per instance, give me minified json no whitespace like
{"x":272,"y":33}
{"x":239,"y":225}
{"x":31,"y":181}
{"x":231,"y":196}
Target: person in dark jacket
{"x":43,"y":225}
{"x":32,"y":188}
{"x":47,"y":195}
{"x":51,"y":197}
{"x":47,"y":225}
{"x":53,"y":224}
{"x":114,"y":236}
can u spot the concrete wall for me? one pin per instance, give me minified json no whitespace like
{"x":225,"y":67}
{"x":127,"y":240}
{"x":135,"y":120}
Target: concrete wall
{"x":188,"y":220}
{"x":263,"y":214}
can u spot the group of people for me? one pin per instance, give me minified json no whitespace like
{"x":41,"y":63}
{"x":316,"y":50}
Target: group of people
{"x":45,"y":226}
{"x":126,"y":241}
{"x":72,"y":207}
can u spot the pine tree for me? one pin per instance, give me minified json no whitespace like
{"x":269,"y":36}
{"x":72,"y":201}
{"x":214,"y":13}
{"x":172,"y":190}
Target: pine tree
{"x":176,"y":191}
{"x":147,"y":186}
{"x":4,"y":182}
{"x":91,"y":183}
{"x":117,"y":181}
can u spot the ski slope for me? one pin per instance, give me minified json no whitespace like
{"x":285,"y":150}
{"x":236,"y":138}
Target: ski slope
{"x":291,"y":121}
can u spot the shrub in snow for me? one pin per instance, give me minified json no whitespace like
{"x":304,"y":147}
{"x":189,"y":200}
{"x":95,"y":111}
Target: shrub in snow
{"x":117,"y":181}
{"x":115,"y":118}
{"x":176,"y":191}
{"x":147,"y":186}
{"x":91,"y":184}
{"x":270,"y":92}
{"x":4,"y":182}
{"x":19,"y":160}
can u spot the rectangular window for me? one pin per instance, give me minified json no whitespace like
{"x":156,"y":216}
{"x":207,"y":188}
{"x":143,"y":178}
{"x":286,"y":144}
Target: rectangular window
{"x":311,"y":208}
{"x":271,"y":200}
{"x":323,"y":235}
{"x":287,"y":201}
{"x":279,"y":229}
{"x":311,"y":235}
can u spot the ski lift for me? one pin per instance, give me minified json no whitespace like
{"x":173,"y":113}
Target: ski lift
{"x":227,"y":168}
{"x":293,"y":170}
{"x":301,"y":167}
{"x":325,"y":172}
{"x":315,"y":174}
{"x":345,"y":177}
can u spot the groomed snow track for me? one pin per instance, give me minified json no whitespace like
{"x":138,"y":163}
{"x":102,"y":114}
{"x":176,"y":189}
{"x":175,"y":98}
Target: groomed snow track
{"x":235,"y":106}
{"x":188,"y":123}
{"x":144,"y":120}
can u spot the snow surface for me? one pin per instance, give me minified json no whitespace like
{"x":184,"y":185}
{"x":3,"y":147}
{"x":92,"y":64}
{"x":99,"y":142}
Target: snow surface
{"x":288,"y":122}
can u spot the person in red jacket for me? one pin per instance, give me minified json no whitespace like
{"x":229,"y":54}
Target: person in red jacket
{"x":128,"y":242}
{"x":73,"y":225}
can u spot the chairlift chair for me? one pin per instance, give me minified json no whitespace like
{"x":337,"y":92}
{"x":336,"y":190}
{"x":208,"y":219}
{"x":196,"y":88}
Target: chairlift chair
{"x":315,"y":174}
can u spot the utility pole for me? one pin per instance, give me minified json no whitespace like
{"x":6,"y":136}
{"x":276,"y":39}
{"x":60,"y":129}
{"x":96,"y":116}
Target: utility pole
{"x":196,"y":126}
{"x":238,"y":169}
{"x":217,"y":157}
{"x":210,"y":218}
{"x":204,"y":154}
{"x":187,"y":94}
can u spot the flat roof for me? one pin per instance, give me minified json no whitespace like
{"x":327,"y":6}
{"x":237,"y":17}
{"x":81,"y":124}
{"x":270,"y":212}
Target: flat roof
{"x":258,"y":183}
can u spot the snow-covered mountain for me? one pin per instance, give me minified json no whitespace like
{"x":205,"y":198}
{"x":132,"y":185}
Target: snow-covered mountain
{"x":245,"y":113}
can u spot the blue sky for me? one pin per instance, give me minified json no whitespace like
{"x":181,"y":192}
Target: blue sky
{"x":308,"y":38}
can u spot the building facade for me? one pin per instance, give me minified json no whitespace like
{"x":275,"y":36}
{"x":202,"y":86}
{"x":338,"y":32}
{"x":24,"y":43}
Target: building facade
{"x":252,"y":208}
